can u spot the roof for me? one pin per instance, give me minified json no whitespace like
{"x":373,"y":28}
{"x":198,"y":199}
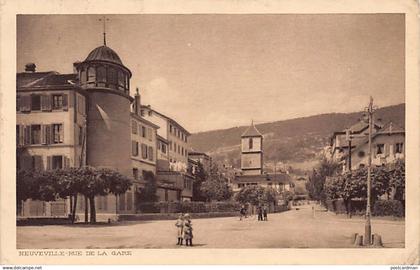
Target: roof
{"x":251,"y":131}
{"x":45,"y":80}
{"x":164,"y":116}
{"x":194,"y":153}
{"x":388,"y":129}
{"x":141,"y":119}
{"x":104,"y":53}
{"x":259,"y":178}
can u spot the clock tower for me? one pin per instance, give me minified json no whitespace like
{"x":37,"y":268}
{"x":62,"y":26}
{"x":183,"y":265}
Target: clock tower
{"x":252,"y":151}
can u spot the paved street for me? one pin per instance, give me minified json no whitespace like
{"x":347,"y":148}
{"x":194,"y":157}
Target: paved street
{"x":291,"y":229}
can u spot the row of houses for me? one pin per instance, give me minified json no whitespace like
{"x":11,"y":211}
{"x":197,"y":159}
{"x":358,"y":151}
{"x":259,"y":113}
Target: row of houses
{"x":350,"y":146}
{"x":89,"y":118}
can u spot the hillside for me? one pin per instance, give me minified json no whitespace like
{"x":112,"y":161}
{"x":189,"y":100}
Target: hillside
{"x":289,"y":141}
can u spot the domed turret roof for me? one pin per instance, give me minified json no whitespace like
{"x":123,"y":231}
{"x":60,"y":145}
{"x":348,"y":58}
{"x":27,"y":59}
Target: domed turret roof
{"x":104,"y":53}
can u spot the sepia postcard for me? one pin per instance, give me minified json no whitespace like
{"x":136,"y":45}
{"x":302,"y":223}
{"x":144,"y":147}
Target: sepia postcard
{"x":210,"y":132}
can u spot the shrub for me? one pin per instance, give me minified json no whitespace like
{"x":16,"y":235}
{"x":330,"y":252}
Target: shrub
{"x":388,"y":208}
{"x":187,"y":207}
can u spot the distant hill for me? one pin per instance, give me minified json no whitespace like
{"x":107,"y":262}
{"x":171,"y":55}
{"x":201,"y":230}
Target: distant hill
{"x":288,"y":141}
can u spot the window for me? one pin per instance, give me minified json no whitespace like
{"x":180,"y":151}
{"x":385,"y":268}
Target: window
{"x":57,"y":133}
{"x":91,"y":75}
{"x":163,"y":148}
{"x":133,"y":127}
{"x":35,"y":134}
{"x":170,"y":145}
{"x":121,"y":80}
{"x":101,"y":74}
{"x":250,"y":143}
{"x":57,"y":162}
{"x":179,"y":149}
{"x":170,"y":128}
{"x":143,"y":131}
{"x":144,"y":151}
{"x":379,"y":149}
{"x":35,"y":102}
{"x":135,"y":173}
{"x":150,"y":134}
{"x":150,"y":153}
{"x":112,"y":78}
{"x":150,"y":113}
{"x":57,"y":102}
{"x":134,"y":148}
{"x":398,"y":148}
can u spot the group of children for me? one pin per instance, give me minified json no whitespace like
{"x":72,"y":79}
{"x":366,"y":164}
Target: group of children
{"x":184,"y":227}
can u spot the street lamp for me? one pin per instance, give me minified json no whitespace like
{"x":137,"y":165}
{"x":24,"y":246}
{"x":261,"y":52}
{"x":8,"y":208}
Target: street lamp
{"x":368,"y":229}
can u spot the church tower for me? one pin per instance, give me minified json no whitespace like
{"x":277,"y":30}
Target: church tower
{"x":251,"y":151}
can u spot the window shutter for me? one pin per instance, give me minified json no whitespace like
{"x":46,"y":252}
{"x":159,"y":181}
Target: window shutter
{"x":65,"y":102}
{"x":27,"y":135}
{"x":72,"y":99}
{"x":44,"y":102}
{"x":49,"y":162}
{"x":25,"y":104}
{"x":38,"y":163}
{"x":133,"y":148}
{"x":150,"y":153}
{"x":61,"y":133}
{"x":48,"y":102}
{"x":66,"y":162}
{"x":48,"y":136}
{"x":43,"y":135}
{"x":21,"y":135}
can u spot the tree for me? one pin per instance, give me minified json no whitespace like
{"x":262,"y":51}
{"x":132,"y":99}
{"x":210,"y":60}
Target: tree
{"x":215,"y":187}
{"x":397,"y":180}
{"x":315,"y":184}
{"x":256,"y":195}
{"x":148,"y":193}
{"x":200,"y":178}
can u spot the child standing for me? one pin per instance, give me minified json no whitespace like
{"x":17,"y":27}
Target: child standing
{"x":188,"y":235}
{"x":180,"y":226}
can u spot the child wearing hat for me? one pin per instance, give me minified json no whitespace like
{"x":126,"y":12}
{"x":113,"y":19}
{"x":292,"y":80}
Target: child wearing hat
{"x":180,"y":228}
{"x":188,"y":235}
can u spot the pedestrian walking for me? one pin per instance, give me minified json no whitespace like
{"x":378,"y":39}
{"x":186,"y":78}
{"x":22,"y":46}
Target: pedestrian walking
{"x":260,"y":213}
{"x":180,"y":227}
{"x":265,"y":212}
{"x":188,"y":234}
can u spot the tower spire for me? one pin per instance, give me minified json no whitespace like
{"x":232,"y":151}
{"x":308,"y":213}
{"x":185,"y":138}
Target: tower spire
{"x":104,"y":19}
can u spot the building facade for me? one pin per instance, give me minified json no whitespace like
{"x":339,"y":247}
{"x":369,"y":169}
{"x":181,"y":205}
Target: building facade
{"x":88,"y":118}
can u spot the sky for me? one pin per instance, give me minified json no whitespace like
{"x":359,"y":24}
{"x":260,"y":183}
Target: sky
{"x":220,"y":71}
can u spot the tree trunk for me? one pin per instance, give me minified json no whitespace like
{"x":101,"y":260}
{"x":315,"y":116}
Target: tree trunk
{"x":73,"y":214}
{"x":86,"y":210}
{"x":92,"y":210}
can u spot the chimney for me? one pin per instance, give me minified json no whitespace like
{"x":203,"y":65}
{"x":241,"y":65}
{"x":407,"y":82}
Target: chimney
{"x":137,"y":102}
{"x":30,"y":67}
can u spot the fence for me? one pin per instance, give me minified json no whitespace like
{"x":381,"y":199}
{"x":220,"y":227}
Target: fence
{"x":187,"y":207}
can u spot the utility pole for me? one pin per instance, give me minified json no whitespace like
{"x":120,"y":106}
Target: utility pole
{"x":348,"y":138}
{"x":368,"y":228}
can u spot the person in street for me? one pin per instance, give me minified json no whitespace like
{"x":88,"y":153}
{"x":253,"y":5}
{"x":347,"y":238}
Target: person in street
{"x":188,"y":234}
{"x":180,"y":227}
{"x":265,"y":212}
{"x":242,"y":212}
{"x":260,"y":213}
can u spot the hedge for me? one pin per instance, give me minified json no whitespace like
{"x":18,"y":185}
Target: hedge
{"x":358,"y":207}
{"x":388,"y":208}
